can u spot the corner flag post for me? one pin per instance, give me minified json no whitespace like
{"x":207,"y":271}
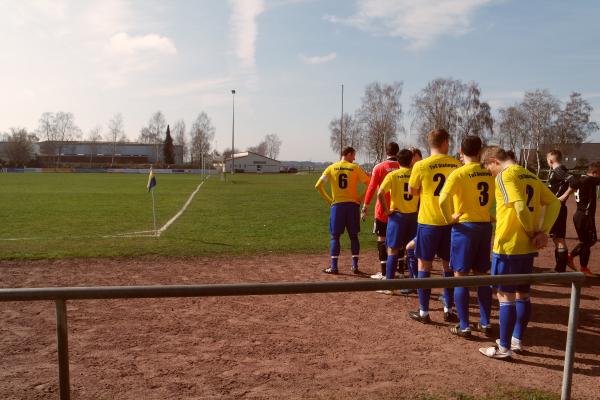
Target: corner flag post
{"x":150,"y":186}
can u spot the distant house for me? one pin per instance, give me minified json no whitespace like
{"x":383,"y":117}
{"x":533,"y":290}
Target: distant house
{"x":574,"y":155}
{"x":252,"y":162}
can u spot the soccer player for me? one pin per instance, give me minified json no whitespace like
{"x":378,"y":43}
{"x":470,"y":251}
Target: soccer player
{"x":402,"y":212}
{"x":558,"y":182}
{"x":343,"y":177}
{"x":465,"y":202}
{"x":379,"y":173}
{"x":433,"y":232}
{"x":520,"y":196}
{"x":585,"y":225}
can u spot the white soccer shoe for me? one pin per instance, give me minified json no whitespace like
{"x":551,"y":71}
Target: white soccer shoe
{"x":495,"y":352}
{"x":378,"y":275}
{"x":385,"y":291}
{"x":515,"y":344}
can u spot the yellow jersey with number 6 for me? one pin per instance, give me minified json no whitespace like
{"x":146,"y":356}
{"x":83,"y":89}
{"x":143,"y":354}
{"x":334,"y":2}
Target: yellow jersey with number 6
{"x":344,"y":177}
{"x":429,"y":175}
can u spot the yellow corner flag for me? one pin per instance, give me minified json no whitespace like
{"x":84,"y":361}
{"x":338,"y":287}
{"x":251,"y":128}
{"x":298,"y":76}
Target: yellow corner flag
{"x":151,"y":180}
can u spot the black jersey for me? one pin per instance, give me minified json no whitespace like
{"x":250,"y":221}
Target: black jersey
{"x":558,"y":180}
{"x":585,"y":194}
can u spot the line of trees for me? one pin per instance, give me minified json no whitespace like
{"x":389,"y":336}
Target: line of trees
{"x":538,"y":119}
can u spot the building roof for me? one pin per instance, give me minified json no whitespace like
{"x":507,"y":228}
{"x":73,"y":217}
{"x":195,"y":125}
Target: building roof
{"x":247,"y":153}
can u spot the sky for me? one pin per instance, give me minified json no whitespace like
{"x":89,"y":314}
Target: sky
{"x":286,"y":59}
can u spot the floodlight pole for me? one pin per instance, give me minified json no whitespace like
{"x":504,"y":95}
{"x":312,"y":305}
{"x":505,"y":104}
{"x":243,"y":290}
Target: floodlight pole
{"x":232,"y":129}
{"x":342,"y":124}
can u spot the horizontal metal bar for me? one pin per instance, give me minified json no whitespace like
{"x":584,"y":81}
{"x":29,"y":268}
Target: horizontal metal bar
{"x":245,"y":289}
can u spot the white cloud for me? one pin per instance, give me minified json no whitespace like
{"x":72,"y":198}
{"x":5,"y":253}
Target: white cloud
{"x":318,"y":59}
{"x":123,"y":44}
{"x":419,"y":22}
{"x":244,"y":30}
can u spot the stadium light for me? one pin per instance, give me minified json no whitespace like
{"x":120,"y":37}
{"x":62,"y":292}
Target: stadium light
{"x":342,"y":124}
{"x":232,"y":129}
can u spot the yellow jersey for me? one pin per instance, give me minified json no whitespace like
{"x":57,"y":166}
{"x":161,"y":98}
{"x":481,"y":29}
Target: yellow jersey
{"x":429,"y":175}
{"x":396,"y":182}
{"x":343,"y":177}
{"x":516,"y":183}
{"x":472,"y":189}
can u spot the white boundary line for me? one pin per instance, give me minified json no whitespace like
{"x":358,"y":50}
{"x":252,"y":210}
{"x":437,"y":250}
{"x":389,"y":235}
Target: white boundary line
{"x":150,"y":233}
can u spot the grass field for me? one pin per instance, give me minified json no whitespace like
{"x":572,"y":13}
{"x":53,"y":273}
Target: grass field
{"x":49,"y":216}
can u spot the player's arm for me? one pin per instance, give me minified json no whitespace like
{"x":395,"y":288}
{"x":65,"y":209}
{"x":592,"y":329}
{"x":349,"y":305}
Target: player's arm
{"x":414,"y":183}
{"x":385,"y":187}
{"x":552,"y":204}
{"x":320,"y":186}
{"x":371,"y":191}
{"x":513,"y":195}
{"x":446,"y":201}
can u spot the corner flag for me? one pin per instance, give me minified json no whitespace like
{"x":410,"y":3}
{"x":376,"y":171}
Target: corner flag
{"x":151,"y":180}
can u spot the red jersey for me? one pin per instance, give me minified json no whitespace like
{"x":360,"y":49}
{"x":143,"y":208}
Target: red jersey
{"x":379,"y":172}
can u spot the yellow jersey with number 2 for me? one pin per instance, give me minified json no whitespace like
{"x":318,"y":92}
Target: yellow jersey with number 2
{"x":344,"y":177}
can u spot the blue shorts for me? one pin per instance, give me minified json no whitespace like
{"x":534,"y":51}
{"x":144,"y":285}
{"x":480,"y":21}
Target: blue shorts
{"x":503,"y":264}
{"x":432,"y":240}
{"x":401,"y":228}
{"x":470,"y":247}
{"x":344,"y":216}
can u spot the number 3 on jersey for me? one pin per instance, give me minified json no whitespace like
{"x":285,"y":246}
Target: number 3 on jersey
{"x":484,"y":196}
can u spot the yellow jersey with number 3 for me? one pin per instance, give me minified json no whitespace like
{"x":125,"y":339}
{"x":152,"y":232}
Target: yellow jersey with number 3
{"x":472,"y":189}
{"x":343,"y":177}
{"x":516,"y":183}
{"x":396,"y":183}
{"x":429,"y":175}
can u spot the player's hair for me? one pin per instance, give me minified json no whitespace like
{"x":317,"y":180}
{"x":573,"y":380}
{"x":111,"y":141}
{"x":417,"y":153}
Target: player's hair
{"x":556,"y":154}
{"x":493,"y":152}
{"x":405,"y":157}
{"x":437,"y":137}
{"x":471,"y":145}
{"x":594,"y":168}
{"x":348,"y":150}
{"x":391,"y":149}
{"x":511,"y":154}
{"x":415,"y":150}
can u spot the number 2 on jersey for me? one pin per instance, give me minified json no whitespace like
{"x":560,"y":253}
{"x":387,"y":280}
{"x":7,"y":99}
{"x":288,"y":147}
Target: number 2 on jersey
{"x":529,"y":191}
{"x":442,"y":179}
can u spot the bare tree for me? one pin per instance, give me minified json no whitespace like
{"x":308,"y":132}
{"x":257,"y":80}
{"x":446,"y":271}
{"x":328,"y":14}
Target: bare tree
{"x":512,"y":129}
{"x":574,"y":124}
{"x":19,"y":148}
{"x":115,"y":134}
{"x":153,"y":133}
{"x":380,"y":115}
{"x":179,"y":137}
{"x":273,"y":145}
{"x":261,"y":148}
{"x":202,"y":134}
{"x":474,"y":117}
{"x":352,"y":133}
{"x":94,"y":137}
{"x":66,"y":130}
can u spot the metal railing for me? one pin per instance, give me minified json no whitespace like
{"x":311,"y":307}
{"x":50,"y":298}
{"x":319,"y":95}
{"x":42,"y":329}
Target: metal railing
{"x":61,"y":295}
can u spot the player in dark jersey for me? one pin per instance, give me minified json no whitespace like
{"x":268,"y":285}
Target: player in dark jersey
{"x":584,"y":217}
{"x":558,"y":182}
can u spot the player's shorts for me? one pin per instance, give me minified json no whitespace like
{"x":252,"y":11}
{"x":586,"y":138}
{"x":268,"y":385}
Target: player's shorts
{"x":401,"y":229}
{"x":503,"y":264}
{"x":379,"y":227}
{"x":344,"y":216}
{"x":470,"y":247}
{"x":433,"y":240}
{"x":559,"y":229}
{"x":585,"y":226}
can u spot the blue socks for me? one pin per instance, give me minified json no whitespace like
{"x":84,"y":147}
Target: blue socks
{"x":334,"y":263}
{"x":461,"y":296}
{"x":449,"y":292}
{"x":390,"y":266}
{"x":411,"y":263}
{"x":424,"y":294}
{"x":523,"y":316}
{"x":484,"y":296}
{"x":508,"y":316}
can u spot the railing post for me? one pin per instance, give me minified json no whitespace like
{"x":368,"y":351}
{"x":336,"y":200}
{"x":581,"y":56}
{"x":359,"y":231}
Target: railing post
{"x":62,"y":339}
{"x":570,"y":347}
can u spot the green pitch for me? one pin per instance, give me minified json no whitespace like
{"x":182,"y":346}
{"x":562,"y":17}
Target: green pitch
{"x":74,"y":215}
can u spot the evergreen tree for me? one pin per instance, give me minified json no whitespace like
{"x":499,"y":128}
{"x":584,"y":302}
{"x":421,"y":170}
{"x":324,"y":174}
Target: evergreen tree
{"x":168,"y":149}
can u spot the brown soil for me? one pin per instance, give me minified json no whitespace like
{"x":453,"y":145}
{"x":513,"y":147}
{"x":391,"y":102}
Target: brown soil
{"x":341,"y":345}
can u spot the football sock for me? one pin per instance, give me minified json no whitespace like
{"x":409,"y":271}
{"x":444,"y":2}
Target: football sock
{"x":424,"y":294}
{"x":523,"y":316}
{"x":354,"y":261}
{"x":390,"y":270}
{"x":334,"y":262}
{"x":461,"y":296}
{"x":335,"y":245}
{"x":575,"y":252}
{"x":401,"y":261}
{"x":561,"y":255}
{"x":411,"y":263}
{"x":584,"y":255}
{"x":354,"y":244}
{"x":484,"y":295}
{"x":449,"y":292}
{"x":382,"y":250}
{"x":508,"y":315}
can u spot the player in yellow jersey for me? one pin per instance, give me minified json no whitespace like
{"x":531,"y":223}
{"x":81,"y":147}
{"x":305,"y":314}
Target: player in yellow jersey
{"x":466,"y":201}
{"x":433,"y":232}
{"x":402,"y":212}
{"x":520,"y":197}
{"x":343,"y":177}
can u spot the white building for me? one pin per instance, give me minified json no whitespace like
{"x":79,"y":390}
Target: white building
{"x":252,"y":162}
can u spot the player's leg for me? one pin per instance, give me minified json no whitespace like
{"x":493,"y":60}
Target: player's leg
{"x":482,"y":267}
{"x":379,"y":228}
{"x":411,"y":259}
{"x":579,"y":223}
{"x":443,"y":251}
{"x":523,"y":303}
{"x":336,"y":228}
{"x":353,"y":226}
{"x":461,"y":258}
{"x":425,"y":251}
{"x":558,"y":233}
{"x":393,"y":244}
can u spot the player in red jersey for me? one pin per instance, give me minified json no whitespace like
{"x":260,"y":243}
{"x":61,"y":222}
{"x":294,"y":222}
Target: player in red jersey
{"x":380,"y":226}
